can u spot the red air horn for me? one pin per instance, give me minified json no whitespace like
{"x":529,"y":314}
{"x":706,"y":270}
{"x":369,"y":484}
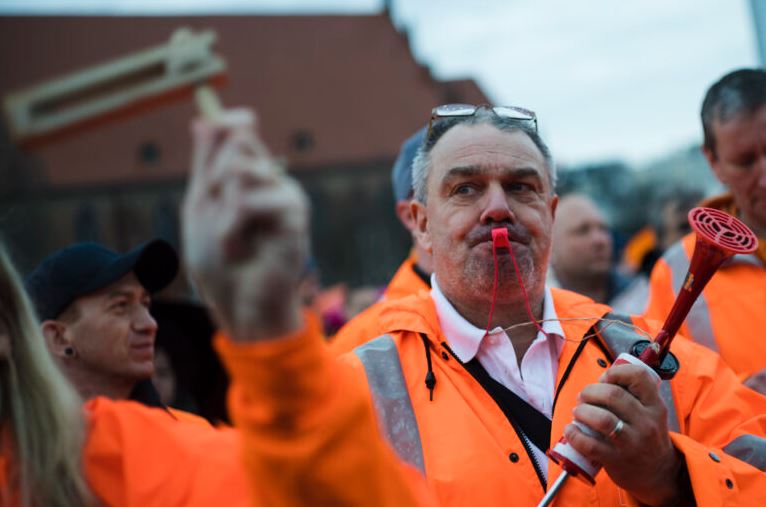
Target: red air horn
{"x":719,"y":236}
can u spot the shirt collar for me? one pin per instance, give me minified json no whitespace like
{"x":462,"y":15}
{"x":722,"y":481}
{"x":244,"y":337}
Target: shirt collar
{"x":465,"y":339}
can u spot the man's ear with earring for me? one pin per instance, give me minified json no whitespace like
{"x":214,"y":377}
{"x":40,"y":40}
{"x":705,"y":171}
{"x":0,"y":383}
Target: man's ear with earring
{"x":58,"y":344}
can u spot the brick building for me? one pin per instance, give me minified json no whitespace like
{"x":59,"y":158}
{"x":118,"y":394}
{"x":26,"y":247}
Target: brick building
{"x":335,"y":95}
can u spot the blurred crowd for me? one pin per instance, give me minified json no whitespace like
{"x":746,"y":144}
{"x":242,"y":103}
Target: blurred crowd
{"x":85,"y":325}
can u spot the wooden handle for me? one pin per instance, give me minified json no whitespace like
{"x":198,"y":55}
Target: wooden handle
{"x":208,"y":103}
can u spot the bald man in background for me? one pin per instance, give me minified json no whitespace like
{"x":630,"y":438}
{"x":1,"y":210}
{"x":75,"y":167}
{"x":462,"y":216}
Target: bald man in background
{"x":581,"y":259}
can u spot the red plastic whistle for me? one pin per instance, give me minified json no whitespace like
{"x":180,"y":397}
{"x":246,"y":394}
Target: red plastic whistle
{"x":500,"y":238}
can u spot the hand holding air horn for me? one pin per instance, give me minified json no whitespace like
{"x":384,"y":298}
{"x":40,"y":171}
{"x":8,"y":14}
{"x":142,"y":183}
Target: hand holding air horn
{"x":719,"y":237}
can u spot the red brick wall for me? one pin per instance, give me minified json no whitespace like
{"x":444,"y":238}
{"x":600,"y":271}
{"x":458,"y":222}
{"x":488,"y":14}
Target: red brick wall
{"x":349,"y":81}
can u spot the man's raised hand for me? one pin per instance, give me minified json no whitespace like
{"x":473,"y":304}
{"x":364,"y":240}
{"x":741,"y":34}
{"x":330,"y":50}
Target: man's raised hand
{"x":245,"y":229}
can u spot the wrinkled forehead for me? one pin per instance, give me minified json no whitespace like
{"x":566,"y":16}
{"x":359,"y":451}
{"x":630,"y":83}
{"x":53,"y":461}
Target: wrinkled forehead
{"x":580,"y":207}
{"x":740,"y":133}
{"x":485,"y":146}
{"x":576,"y":212}
{"x":753,"y":119}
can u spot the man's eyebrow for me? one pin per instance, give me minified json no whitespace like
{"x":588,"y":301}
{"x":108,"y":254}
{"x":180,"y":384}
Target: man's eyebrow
{"x":467,"y":171}
{"x":463,"y":171}
{"x":126,"y":293}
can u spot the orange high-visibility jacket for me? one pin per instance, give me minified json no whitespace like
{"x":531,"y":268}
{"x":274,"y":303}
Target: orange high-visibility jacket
{"x":140,"y":456}
{"x":364,"y":326}
{"x":730,"y":315}
{"x":136,"y":455}
{"x":462,"y":441}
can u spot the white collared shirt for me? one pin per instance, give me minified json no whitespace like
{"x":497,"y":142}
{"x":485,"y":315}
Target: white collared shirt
{"x":535,"y":381}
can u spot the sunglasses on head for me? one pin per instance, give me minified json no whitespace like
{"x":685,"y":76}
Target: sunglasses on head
{"x":447,"y":111}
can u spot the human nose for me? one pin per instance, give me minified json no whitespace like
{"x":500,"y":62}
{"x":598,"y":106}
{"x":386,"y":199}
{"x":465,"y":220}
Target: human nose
{"x":144,"y":322}
{"x":496,"y":207}
{"x":601,"y":237}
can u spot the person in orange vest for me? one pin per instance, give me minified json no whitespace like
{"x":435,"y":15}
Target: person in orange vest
{"x":466,"y":387}
{"x":728,"y":316}
{"x":413,"y":275}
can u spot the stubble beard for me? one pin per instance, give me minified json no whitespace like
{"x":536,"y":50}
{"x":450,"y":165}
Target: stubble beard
{"x":479,"y":275}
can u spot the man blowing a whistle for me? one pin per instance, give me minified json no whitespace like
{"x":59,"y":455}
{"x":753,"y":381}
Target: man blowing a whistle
{"x":467,"y":386}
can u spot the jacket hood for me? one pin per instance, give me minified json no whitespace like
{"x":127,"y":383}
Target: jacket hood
{"x":415,"y":313}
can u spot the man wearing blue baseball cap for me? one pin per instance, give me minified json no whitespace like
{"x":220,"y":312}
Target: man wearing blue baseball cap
{"x":93,"y":305}
{"x":414,"y":274}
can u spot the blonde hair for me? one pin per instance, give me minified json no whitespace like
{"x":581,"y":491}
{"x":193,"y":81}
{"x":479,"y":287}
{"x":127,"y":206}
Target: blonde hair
{"x":41,"y":415}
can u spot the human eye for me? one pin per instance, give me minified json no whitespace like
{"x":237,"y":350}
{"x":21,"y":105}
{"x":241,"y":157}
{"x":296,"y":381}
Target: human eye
{"x":746,"y":163}
{"x":119,"y":305}
{"x":521,"y":187}
{"x":744,"y":160}
{"x":464,"y":189}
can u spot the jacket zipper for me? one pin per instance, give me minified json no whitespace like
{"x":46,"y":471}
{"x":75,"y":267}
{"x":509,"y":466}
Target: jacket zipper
{"x":535,"y":464}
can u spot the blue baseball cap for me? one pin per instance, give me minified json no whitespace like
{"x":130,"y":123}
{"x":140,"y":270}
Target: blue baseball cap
{"x":83,"y":268}
{"x":401,"y":174}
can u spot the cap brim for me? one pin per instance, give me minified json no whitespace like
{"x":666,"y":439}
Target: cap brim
{"x":155,"y":264}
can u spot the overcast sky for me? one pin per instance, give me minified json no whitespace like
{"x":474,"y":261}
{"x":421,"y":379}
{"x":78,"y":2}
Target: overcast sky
{"x":608,"y":79}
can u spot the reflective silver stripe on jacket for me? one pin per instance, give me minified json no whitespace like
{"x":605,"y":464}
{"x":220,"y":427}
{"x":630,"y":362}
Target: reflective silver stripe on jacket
{"x":391,"y":398}
{"x":620,"y":339}
{"x":750,"y":449}
{"x":745,"y":259}
{"x":698,"y":320}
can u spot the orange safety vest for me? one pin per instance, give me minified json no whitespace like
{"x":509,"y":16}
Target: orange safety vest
{"x":729,"y":317}
{"x":135,"y":455}
{"x":470,"y":453}
{"x":140,"y":456}
{"x":363,"y":327}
